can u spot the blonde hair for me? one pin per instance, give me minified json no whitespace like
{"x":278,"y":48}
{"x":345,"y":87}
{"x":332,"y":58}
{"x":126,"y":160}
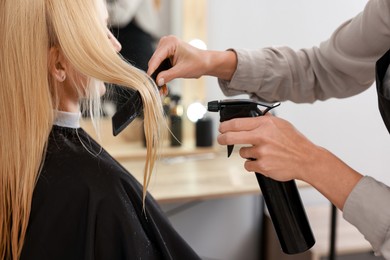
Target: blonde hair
{"x":27,"y":95}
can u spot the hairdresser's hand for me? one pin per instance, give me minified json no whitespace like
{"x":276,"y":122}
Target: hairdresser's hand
{"x":278,"y":149}
{"x":190,"y":62}
{"x":282,"y":153}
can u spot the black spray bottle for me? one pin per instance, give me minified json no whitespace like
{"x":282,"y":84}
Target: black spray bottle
{"x":282,"y":198}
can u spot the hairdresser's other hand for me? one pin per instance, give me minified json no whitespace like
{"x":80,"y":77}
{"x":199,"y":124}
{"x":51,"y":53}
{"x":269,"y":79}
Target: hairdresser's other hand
{"x":282,"y":153}
{"x":190,"y":62}
{"x":277,"y":149}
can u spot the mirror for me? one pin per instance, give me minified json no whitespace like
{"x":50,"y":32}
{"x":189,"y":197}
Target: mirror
{"x":189,"y":22}
{"x":185,"y":19}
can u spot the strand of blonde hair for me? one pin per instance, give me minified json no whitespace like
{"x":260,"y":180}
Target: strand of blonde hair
{"x":26,"y":116}
{"x":27,"y":98}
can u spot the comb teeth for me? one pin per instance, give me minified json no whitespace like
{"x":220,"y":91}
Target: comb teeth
{"x":127,"y":113}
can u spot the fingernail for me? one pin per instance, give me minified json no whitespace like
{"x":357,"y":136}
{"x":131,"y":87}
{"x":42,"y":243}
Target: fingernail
{"x":161,"y":82}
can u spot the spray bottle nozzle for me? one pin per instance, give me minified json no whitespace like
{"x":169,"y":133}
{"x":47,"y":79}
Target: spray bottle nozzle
{"x":236,"y":108}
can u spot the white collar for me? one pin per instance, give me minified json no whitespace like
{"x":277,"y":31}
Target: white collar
{"x":67,"y":119}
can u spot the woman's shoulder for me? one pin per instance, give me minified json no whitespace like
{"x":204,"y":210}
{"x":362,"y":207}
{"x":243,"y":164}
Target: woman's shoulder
{"x":73,"y":158}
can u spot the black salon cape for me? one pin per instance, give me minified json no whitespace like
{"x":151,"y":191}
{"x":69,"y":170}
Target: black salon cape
{"x":86,"y":206}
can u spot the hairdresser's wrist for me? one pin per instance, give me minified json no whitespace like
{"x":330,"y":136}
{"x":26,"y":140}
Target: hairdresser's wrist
{"x":331,"y":176}
{"x":221,"y":64}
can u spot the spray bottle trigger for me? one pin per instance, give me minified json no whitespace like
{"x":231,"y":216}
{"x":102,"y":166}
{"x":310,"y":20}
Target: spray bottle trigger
{"x":229,"y":150}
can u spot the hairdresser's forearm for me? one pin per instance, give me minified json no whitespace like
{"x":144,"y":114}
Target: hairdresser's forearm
{"x":332,"y":177}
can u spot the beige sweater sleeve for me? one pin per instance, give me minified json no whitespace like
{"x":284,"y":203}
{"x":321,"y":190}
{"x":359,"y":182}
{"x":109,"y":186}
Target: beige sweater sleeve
{"x":341,"y":66}
{"x":367,"y":208}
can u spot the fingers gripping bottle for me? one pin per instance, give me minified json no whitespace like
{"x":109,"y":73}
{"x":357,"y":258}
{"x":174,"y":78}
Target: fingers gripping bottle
{"x":281,"y":198}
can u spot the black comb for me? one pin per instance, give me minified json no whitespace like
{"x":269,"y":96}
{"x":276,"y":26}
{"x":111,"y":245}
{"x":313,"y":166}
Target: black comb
{"x":133,"y":107}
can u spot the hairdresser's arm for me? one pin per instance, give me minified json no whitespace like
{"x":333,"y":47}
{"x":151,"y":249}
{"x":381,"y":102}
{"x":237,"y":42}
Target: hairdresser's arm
{"x":190,"y":62}
{"x":340,"y":67}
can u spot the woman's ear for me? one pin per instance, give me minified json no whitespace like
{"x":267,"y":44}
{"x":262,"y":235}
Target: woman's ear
{"x":57,"y":64}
